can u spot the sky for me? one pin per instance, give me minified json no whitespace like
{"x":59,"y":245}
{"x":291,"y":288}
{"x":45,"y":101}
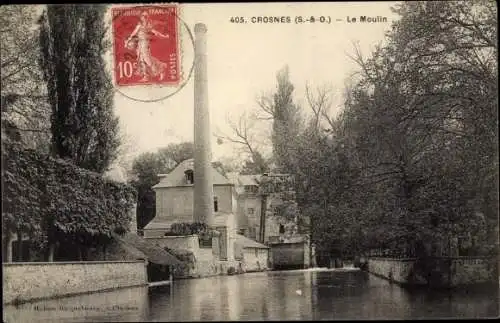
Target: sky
{"x":242,"y":61}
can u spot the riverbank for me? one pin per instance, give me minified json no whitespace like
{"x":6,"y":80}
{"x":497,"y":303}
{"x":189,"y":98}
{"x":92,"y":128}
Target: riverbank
{"x":325,"y":295}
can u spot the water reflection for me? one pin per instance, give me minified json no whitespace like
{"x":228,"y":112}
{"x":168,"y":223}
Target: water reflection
{"x":292,"y":295}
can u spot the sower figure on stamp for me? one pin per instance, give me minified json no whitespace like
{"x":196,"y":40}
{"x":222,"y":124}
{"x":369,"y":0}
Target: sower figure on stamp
{"x":147,"y":64}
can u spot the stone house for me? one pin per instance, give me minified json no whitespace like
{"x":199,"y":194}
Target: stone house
{"x":175,"y":204}
{"x":174,"y":198}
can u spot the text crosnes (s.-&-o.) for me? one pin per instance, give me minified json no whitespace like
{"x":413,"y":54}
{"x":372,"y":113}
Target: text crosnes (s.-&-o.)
{"x":264,"y":19}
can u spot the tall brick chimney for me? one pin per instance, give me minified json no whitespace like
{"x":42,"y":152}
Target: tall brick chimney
{"x":203,"y":187}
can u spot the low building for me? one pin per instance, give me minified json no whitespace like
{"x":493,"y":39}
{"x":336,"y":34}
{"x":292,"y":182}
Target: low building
{"x":253,"y":255}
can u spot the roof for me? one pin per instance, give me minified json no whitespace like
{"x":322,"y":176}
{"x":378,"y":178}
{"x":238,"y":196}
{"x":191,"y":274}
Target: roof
{"x":177,"y":177}
{"x":153,"y":252}
{"x":249,"y":243}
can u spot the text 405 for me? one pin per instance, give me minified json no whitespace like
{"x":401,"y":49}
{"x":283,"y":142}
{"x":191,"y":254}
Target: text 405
{"x":237,"y":20}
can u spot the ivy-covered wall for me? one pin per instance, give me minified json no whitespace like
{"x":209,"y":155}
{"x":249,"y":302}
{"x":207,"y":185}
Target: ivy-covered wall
{"x":57,"y":203}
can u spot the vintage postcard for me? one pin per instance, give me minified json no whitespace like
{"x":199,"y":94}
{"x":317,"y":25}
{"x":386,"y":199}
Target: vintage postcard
{"x":249,"y":161}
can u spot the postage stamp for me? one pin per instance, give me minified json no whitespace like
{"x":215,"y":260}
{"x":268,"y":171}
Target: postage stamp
{"x":146,"y":45}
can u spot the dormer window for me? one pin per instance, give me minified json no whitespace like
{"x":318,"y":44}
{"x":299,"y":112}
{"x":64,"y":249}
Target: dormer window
{"x":189,"y":176}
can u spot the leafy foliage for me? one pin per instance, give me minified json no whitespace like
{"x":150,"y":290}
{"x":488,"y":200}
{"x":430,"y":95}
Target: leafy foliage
{"x":83,"y":127}
{"x":412,"y":157}
{"x":255,"y":165}
{"x":286,"y":122}
{"x":24,"y":106}
{"x":182,"y":229}
{"x":54,"y":201}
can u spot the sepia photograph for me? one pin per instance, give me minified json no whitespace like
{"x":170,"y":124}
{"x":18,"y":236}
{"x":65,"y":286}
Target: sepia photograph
{"x":170,"y":162}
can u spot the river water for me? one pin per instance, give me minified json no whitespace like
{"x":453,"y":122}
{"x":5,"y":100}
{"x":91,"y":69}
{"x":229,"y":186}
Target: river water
{"x":286,"y":295}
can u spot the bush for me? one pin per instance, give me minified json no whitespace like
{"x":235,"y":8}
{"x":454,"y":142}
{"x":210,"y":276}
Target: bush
{"x":184,"y":229}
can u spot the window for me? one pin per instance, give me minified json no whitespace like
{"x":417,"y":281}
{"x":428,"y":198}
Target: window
{"x":205,"y":241}
{"x":282,"y":229}
{"x":216,"y":204}
{"x":250,"y":211}
{"x":189,"y":176}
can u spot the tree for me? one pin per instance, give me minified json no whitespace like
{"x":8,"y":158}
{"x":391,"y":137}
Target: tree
{"x":145,"y":169}
{"x":244,"y":133}
{"x":83,"y":126}
{"x":255,"y":165}
{"x":144,"y":175}
{"x":25,"y":110}
{"x":286,"y":120}
{"x":412,"y":122}
{"x":410,"y":158}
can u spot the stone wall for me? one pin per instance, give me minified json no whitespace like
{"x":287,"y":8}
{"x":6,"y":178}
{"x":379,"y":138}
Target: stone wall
{"x":396,"y":270}
{"x":467,"y":270}
{"x":28,"y":281}
{"x":455,"y":271}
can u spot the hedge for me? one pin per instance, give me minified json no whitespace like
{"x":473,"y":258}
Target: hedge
{"x":53,"y":200}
